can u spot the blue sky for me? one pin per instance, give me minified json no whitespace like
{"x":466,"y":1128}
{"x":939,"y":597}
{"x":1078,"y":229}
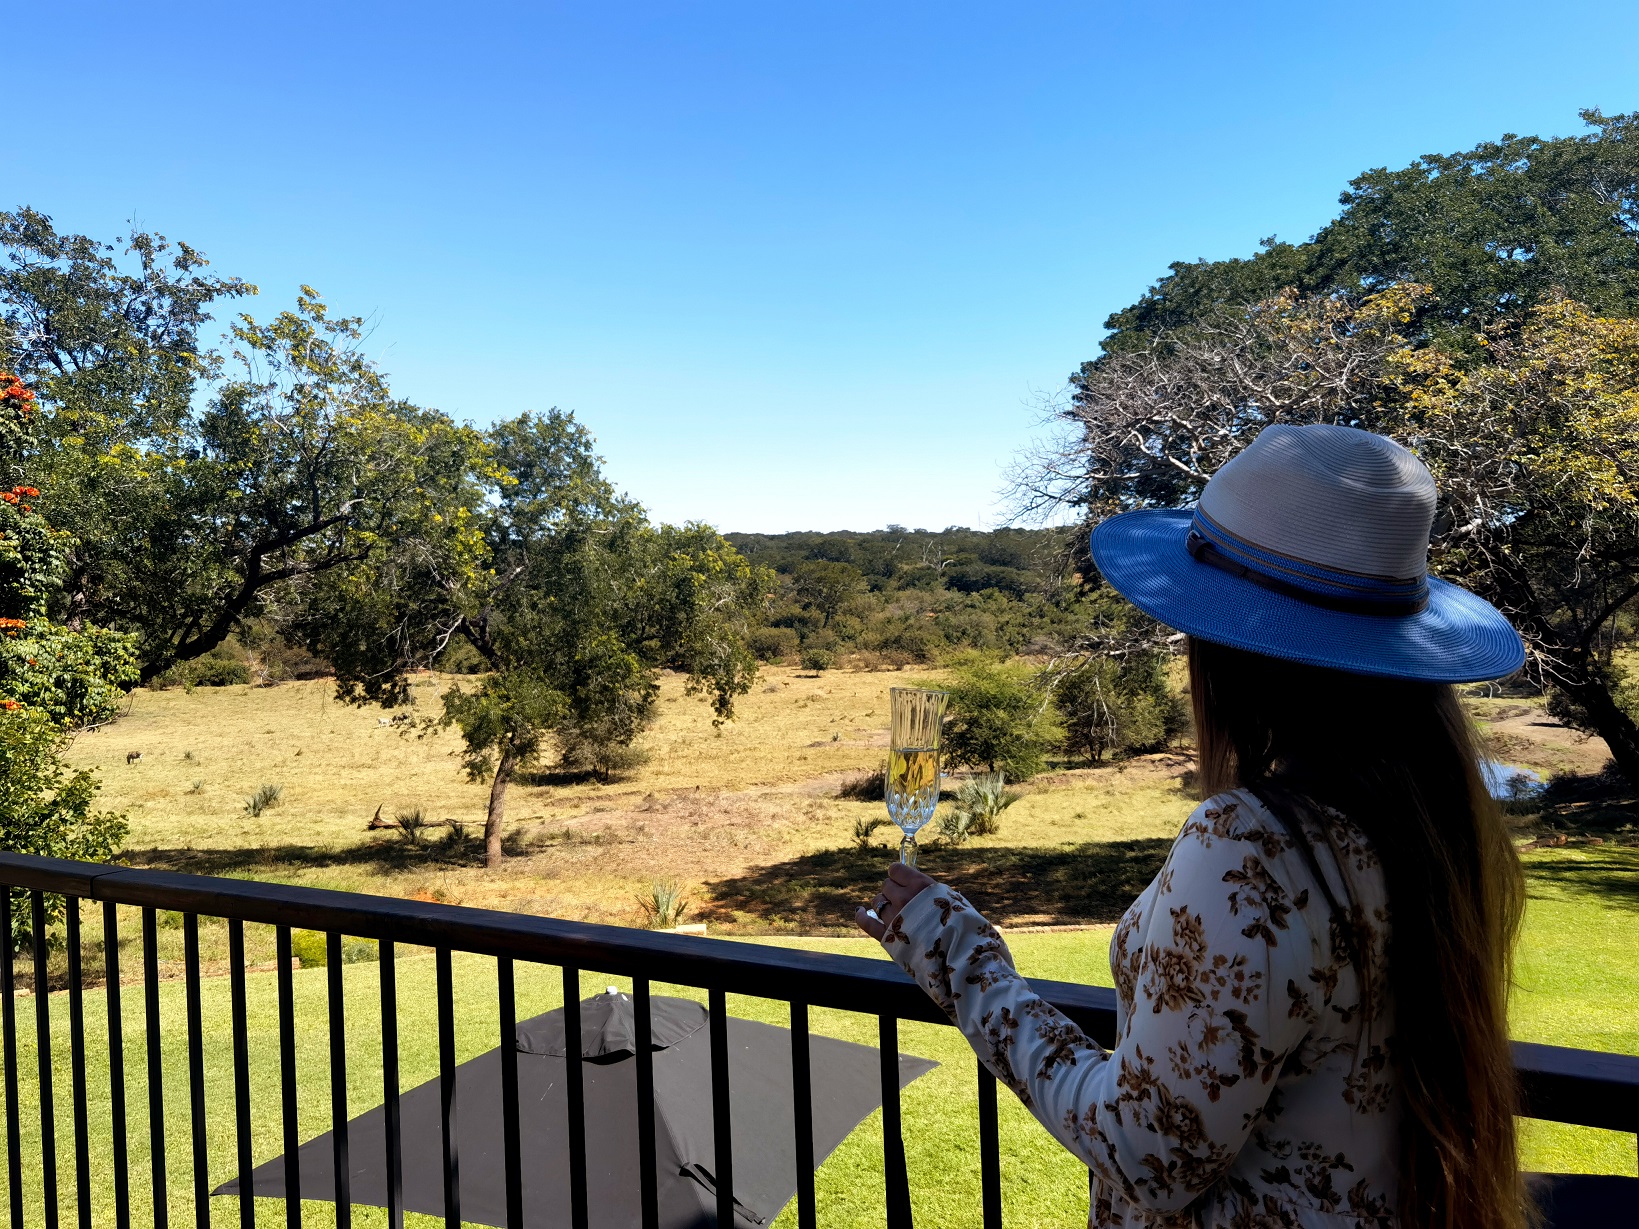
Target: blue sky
{"x":797,"y":265}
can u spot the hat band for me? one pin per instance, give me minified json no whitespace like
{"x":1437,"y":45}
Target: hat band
{"x":1331,"y":588}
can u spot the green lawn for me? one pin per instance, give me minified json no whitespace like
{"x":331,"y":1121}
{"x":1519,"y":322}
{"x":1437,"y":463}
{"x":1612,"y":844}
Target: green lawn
{"x":1578,"y":985}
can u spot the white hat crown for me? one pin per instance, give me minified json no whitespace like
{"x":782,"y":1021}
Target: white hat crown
{"x":1330,"y":514}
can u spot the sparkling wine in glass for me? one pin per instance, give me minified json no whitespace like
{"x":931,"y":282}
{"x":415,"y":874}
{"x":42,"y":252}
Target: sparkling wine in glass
{"x":913,"y":761}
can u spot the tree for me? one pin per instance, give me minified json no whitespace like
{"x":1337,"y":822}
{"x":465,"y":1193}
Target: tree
{"x":1492,"y":231}
{"x":1110,"y":705}
{"x":825,"y":587}
{"x":998,"y":718}
{"x":52,"y":679}
{"x":197,"y":493}
{"x":1533,"y":445}
{"x":572,"y":599}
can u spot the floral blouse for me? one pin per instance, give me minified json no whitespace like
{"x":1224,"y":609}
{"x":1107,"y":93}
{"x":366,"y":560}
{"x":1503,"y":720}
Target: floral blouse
{"x":1247,"y":1087}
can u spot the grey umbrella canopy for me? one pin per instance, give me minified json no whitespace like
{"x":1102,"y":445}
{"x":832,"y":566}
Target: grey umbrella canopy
{"x":846,"y":1088}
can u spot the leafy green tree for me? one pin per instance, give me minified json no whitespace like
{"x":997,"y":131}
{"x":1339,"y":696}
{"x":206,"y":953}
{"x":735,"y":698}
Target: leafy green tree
{"x":998,"y":718}
{"x":198,"y":493}
{"x":826,"y":587}
{"x":1534,"y":445}
{"x":52,"y":679}
{"x":570,"y":596}
{"x":1492,"y":230}
{"x":1119,"y":706}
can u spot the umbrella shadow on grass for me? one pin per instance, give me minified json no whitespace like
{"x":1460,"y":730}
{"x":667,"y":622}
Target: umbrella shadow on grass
{"x":1091,"y":882}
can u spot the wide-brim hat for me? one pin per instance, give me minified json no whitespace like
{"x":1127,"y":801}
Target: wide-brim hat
{"x":1311,"y":544}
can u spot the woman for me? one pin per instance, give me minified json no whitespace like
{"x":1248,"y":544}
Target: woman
{"x":1312,"y":993}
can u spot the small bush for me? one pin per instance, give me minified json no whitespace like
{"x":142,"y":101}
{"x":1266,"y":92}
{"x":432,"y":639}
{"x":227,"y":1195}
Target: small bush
{"x":311,"y":947}
{"x":198,"y":786}
{"x":773,"y":644}
{"x":459,"y":657}
{"x":868,"y":786}
{"x":265,"y":798}
{"x":980,"y":802}
{"x":203,"y":672}
{"x":817,"y":660}
{"x":663,"y":905}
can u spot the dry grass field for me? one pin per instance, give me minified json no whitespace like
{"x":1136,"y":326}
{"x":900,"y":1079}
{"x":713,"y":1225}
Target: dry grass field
{"x":746,"y":817}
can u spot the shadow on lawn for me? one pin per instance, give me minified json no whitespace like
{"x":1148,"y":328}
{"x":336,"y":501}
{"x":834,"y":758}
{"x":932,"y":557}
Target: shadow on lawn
{"x":456,"y":848}
{"x":1094,"y":882}
{"x":1611,"y":874}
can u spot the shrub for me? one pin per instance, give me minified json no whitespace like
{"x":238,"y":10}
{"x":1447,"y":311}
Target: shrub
{"x":46,"y":805}
{"x":817,"y":660}
{"x":1119,"y":707}
{"x":980,"y":802}
{"x":998,"y":718}
{"x":775,"y":644}
{"x":868,"y":786}
{"x":663,"y":905}
{"x":266,"y":797}
{"x":311,"y":947}
{"x":211,"y":670}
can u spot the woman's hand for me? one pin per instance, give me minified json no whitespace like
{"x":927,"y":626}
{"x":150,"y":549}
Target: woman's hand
{"x":898,"y":889}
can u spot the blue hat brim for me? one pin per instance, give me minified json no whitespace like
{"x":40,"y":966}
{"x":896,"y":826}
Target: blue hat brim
{"x":1458,"y":638}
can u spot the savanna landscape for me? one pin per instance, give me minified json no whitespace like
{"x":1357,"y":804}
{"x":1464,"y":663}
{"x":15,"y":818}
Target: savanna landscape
{"x":264,"y":616}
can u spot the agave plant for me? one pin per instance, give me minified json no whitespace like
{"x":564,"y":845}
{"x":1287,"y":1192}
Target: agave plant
{"x":663,"y":904}
{"x":980,"y":801}
{"x":265,"y":797}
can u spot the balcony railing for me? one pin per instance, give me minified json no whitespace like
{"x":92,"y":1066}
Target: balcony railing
{"x":1566,"y":1085}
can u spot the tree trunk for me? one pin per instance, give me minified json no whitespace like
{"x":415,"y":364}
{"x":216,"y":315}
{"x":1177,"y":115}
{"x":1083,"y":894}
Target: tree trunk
{"x":1618,"y":730}
{"x":504,"y":768}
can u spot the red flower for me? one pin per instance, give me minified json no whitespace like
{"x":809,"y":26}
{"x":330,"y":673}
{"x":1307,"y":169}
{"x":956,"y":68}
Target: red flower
{"x":10,"y":705}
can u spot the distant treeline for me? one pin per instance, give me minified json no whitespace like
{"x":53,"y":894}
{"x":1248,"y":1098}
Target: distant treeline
{"x":897,"y":596}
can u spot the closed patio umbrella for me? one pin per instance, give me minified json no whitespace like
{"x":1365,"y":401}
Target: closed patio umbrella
{"x":846,"y":1081}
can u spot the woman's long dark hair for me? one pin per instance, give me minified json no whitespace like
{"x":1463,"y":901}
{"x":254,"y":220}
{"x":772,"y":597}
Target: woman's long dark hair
{"x":1400,"y":760}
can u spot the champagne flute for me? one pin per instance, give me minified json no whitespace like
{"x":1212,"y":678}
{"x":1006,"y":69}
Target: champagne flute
{"x":913,"y":761}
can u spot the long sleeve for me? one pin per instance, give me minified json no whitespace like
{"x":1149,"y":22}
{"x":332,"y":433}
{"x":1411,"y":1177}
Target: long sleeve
{"x":1216,"y":985}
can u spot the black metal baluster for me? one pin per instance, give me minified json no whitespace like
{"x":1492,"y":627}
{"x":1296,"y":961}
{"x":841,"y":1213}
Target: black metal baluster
{"x":896,"y":1179}
{"x":648,"y":1179}
{"x":990,"y":1151}
{"x":156,"y":1069}
{"x":338,"y":1083}
{"x":802,"y":1110}
{"x":389,"y":1086}
{"x":196,"y":1073}
{"x":446,"y":1089}
{"x":76,"y":1058}
{"x":574,"y":1084}
{"x":508,"y":1005}
{"x":241,"y":1072}
{"x":287,"y":1077}
{"x":721,"y":1123}
{"x":8,"y":1025}
{"x":42,"y":1055}
{"x":116,"y":1063}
